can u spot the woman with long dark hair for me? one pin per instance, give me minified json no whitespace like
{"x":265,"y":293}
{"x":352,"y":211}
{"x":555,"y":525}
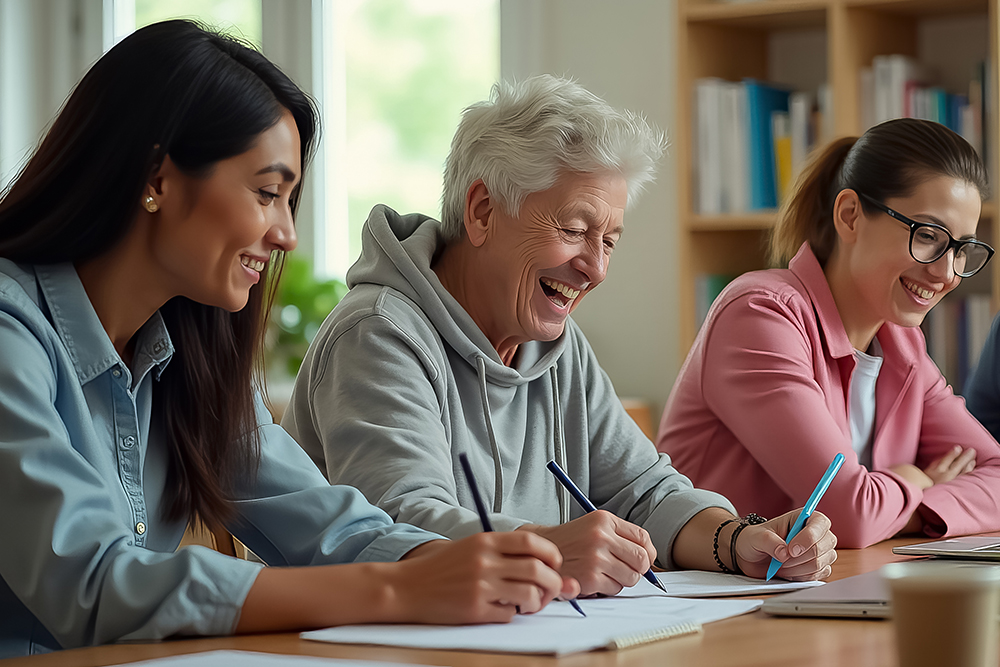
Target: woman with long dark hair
{"x":137,"y":258}
{"x":793,"y":366}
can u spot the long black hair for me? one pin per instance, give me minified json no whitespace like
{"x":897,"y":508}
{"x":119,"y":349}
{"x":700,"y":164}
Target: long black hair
{"x":887,"y":161}
{"x":171,"y":88}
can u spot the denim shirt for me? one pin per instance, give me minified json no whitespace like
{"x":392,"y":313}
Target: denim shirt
{"x":85,"y":555}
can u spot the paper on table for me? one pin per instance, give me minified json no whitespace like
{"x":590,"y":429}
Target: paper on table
{"x":557,"y":629}
{"x":699,"y":584}
{"x":254,"y":659}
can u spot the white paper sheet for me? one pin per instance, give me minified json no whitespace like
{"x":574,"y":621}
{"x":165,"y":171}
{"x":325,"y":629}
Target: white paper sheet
{"x":255,"y":659}
{"x":699,"y":584}
{"x":557,"y":629}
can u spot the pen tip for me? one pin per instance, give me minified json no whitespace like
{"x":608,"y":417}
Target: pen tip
{"x":576,"y":605}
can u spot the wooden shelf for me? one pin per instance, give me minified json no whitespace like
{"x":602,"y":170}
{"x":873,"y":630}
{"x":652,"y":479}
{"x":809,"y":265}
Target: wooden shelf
{"x":763,"y":14}
{"x":733,"y":40}
{"x":923,"y":7}
{"x":732,"y":221}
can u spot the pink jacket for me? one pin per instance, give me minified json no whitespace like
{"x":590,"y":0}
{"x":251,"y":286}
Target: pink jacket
{"x":759,"y":410}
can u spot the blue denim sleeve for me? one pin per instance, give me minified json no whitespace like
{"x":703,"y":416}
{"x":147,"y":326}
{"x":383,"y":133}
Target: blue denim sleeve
{"x":291,"y":515}
{"x":68,"y":555}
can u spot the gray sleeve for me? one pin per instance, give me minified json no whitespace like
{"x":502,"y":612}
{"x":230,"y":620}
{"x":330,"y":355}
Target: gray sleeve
{"x":375,"y":401}
{"x":291,"y":515}
{"x":67,"y":555}
{"x":628,"y":476}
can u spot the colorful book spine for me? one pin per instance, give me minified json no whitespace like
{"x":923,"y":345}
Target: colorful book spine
{"x":762,"y":101}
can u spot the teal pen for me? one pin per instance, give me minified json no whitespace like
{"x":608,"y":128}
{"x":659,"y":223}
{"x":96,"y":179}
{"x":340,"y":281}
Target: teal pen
{"x":817,"y":495}
{"x":484,"y":517}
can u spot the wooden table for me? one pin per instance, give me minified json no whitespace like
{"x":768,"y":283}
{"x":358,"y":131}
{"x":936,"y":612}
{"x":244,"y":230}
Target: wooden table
{"x":752,"y":639}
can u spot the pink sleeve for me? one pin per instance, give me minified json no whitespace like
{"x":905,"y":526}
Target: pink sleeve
{"x":761,"y":361}
{"x":969,"y":503}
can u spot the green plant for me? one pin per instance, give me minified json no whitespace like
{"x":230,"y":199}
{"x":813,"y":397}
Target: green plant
{"x":300,"y":306}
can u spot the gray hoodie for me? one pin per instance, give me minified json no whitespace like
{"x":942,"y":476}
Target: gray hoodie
{"x":399,"y":381}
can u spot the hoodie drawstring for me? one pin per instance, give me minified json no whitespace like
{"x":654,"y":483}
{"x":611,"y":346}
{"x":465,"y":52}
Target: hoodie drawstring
{"x":559,"y":453}
{"x":559,"y":446}
{"x":497,"y":464}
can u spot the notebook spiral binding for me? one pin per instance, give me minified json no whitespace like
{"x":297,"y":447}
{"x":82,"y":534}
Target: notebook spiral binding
{"x":654,"y":635}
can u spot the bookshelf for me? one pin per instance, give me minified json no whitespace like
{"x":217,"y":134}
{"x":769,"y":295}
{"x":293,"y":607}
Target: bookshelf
{"x":800,"y":43}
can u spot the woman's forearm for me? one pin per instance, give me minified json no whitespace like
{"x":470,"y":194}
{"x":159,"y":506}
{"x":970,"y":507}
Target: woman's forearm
{"x":298,"y":598}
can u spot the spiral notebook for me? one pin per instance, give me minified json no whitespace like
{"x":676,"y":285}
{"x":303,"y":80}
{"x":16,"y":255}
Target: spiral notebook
{"x":611,"y":623}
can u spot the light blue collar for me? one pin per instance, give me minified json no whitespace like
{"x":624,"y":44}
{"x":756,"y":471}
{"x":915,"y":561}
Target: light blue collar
{"x":82,"y":333}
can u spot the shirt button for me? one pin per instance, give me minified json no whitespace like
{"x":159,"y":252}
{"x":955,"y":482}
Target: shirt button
{"x":140,"y":528}
{"x":117,"y":373}
{"x":129,"y":441}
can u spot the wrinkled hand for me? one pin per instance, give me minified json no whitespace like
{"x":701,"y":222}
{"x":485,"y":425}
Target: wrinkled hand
{"x":809,"y":556}
{"x":951,"y":465}
{"x":485,"y":578}
{"x":601,"y":551}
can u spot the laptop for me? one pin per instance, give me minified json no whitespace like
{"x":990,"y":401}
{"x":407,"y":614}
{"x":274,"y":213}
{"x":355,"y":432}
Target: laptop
{"x":975,"y":547}
{"x":862,"y":596}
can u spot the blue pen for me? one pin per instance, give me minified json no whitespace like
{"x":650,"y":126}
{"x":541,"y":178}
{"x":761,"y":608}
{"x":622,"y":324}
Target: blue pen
{"x":484,"y":518}
{"x":817,"y":495}
{"x":589,"y":507}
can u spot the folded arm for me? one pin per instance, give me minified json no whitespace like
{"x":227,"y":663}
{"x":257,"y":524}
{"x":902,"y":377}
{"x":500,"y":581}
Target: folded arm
{"x":759,"y":380}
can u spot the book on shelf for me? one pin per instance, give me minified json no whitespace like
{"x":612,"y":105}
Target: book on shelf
{"x":735,"y":165}
{"x":801,"y":130}
{"x":762,"y":101}
{"x":781,"y":131}
{"x":956,"y":331}
{"x":898,"y":86}
{"x":707,"y":288}
{"x":892,"y":75}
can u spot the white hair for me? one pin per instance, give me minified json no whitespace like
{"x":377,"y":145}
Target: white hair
{"x":530,"y":132}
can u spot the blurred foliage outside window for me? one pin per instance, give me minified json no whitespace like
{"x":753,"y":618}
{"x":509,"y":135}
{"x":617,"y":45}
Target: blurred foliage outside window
{"x":300,"y":306}
{"x":412,"y":67}
{"x":239,"y":18}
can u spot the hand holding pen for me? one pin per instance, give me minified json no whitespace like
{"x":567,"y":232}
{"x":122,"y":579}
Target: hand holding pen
{"x":601,"y":551}
{"x":810,"y":507}
{"x":484,"y":517}
{"x":808,"y":548}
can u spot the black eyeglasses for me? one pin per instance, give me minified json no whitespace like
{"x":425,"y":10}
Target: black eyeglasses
{"x":930,"y":242}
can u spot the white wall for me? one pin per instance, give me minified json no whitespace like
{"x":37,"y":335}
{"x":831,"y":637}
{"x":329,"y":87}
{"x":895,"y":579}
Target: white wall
{"x":623,"y":51}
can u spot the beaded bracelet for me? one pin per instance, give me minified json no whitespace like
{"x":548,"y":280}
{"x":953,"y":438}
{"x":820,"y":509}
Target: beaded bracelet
{"x":751,"y":519}
{"x":715,"y":547}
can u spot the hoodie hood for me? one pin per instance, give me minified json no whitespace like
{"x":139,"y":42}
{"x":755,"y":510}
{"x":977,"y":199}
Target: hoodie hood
{"x":398,"y":251}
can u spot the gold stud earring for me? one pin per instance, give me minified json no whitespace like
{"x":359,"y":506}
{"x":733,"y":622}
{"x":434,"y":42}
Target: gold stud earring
{"x":150,"y":204}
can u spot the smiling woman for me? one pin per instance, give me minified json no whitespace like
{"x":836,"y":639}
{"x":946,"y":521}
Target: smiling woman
{"x":456,"y":338}
{"x":137,"y":252}
{"x":795,"y":366}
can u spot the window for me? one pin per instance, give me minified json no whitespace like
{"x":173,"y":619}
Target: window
{"x":409,"y":68}
{"x":391,"y":78}
{"x":240,"y":18}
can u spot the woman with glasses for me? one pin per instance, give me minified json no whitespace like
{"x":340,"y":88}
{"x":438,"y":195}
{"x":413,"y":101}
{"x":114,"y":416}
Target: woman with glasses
{"x":793,"y":366}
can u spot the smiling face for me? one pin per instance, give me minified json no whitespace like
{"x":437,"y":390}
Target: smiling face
{"x":214,"y":235}
{"x":544,"y":260}
{"x":888,"y":284}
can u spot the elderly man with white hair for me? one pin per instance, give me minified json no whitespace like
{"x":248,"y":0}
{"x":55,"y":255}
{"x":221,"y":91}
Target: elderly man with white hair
{"x":456,"y":338}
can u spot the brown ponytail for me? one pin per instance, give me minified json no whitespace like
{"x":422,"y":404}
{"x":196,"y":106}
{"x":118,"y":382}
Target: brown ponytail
{"x":888,"y":161}
{"x":807,"y":214}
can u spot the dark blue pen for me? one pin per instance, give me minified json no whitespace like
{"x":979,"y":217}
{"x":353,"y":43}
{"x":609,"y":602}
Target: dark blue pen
{"x":484,"y":518}
{"x":589,"y":507}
